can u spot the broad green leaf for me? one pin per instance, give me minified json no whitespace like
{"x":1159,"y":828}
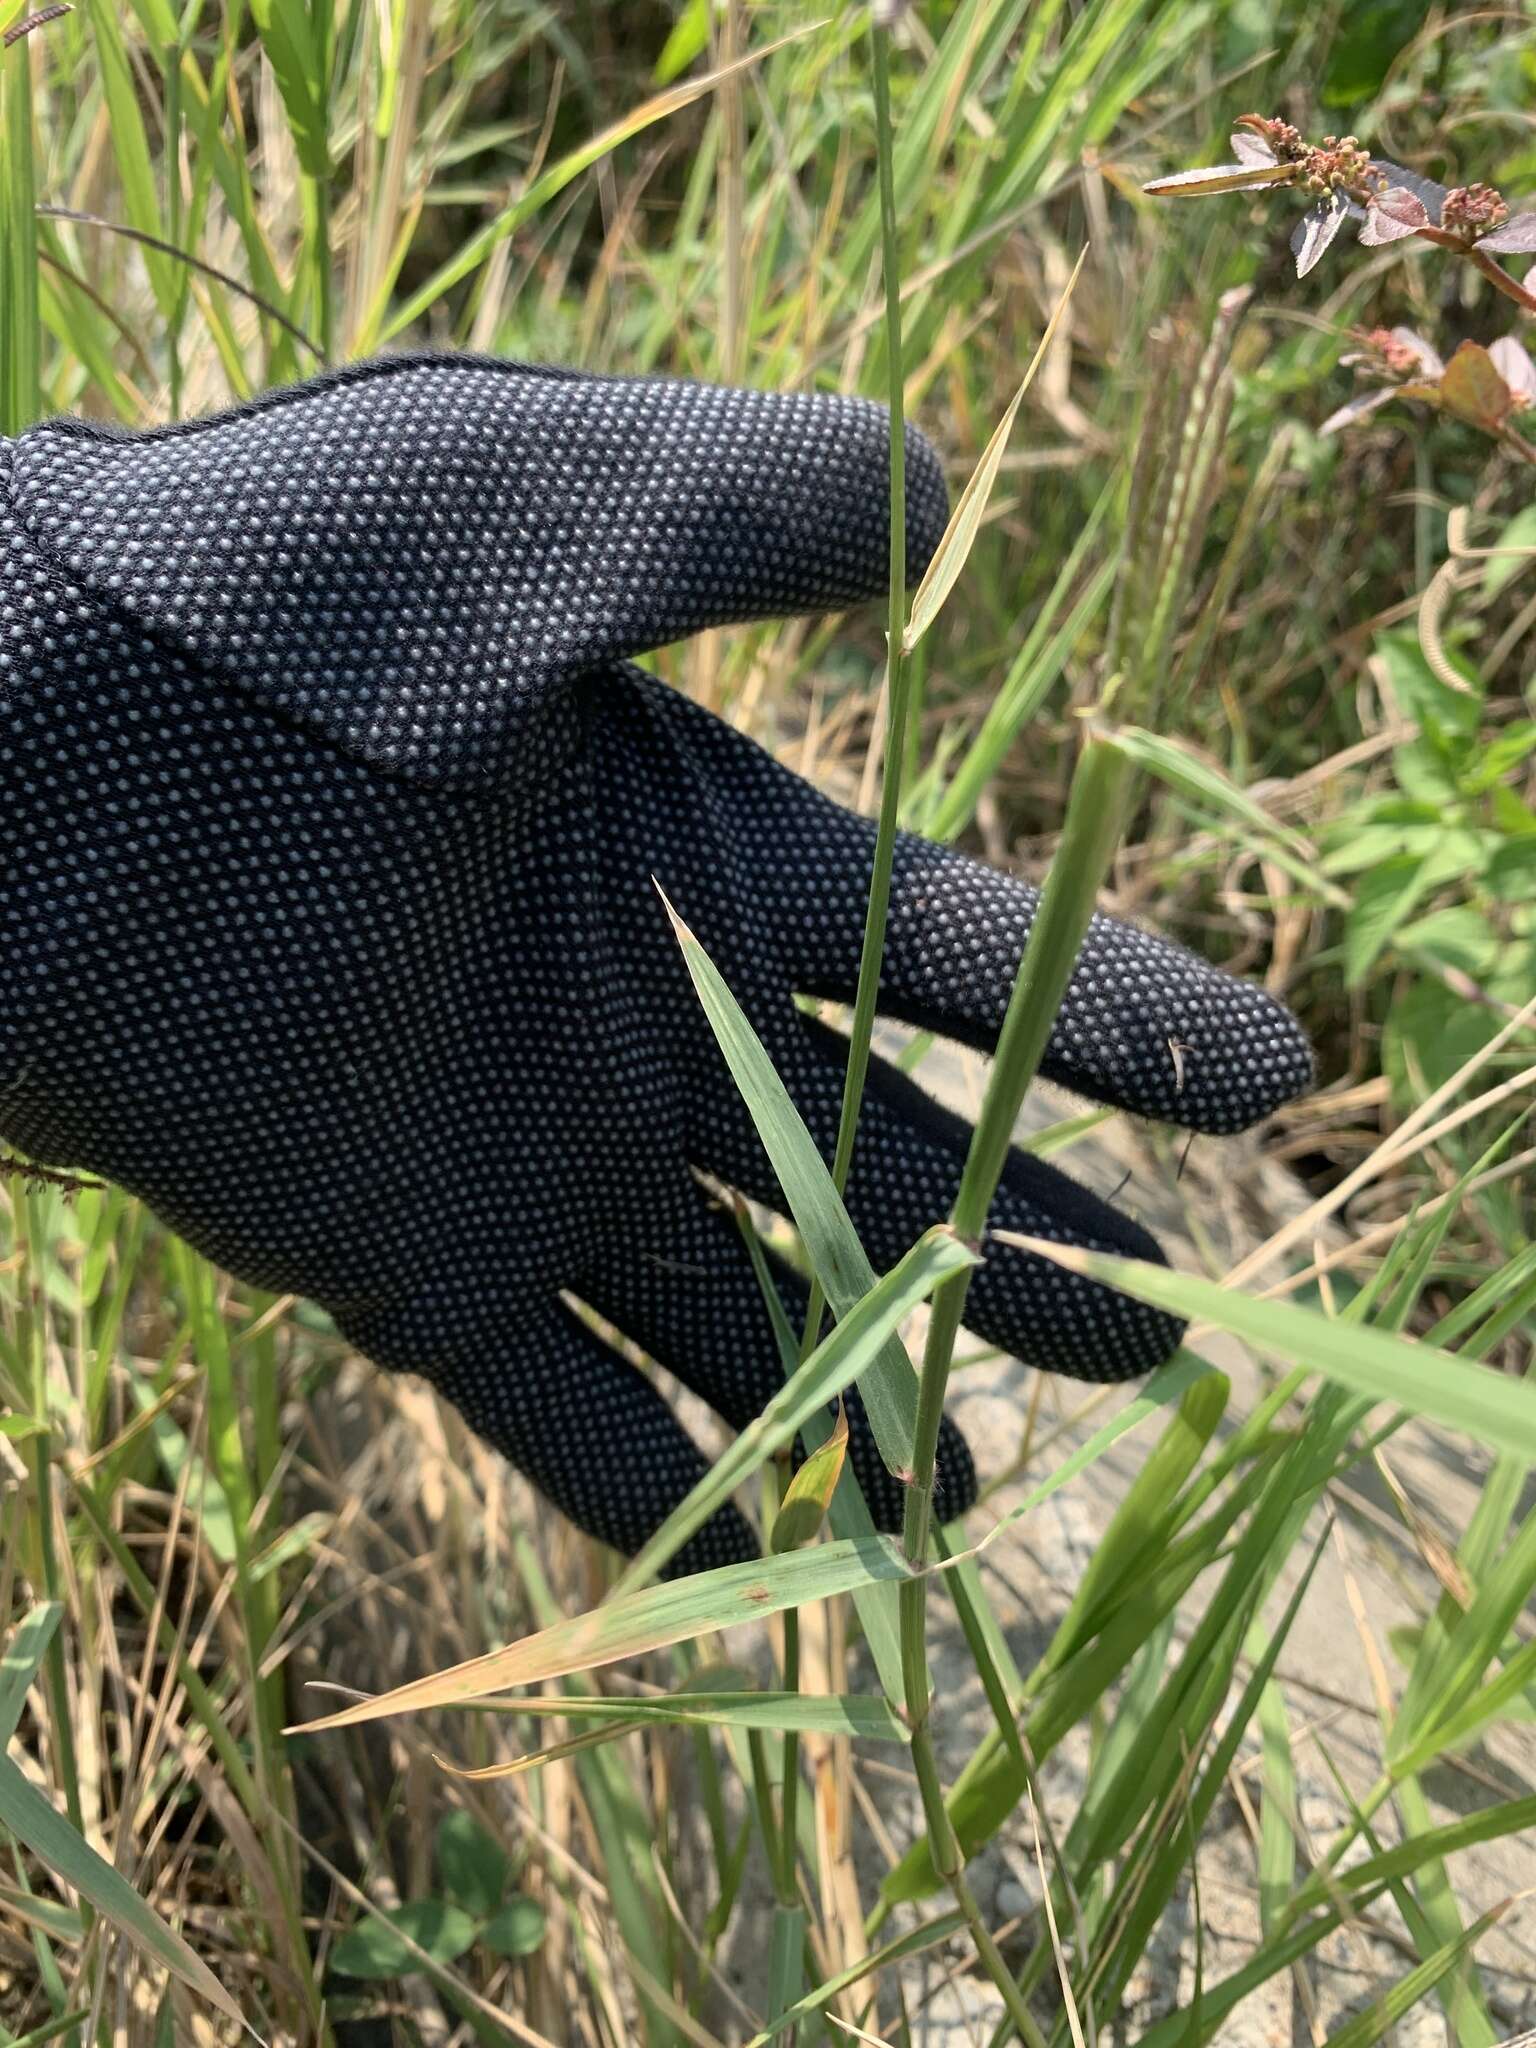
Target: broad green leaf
{"x":648,"y":1620}
{"x":1481,"y":1403}
{"x":517,"y":1930}
{"x":1385,"y":897}
{"x":1473,"y":389}
{"x":1499,"y":757}
{"x":56,"y":1845}
{"x":1442,"y":712}
{"x":471,"y":1863}
{"x":381,"y":1945}
{"x":965,"y":521}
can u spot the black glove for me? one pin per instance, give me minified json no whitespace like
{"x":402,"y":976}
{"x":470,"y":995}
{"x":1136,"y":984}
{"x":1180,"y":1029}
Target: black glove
{"x":329,"y":812}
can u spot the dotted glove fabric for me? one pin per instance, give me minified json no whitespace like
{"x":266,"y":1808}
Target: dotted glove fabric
{"x":330,"y":807}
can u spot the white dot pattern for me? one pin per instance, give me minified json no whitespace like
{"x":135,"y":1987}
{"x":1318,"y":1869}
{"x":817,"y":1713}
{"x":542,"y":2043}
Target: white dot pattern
{"x":329,"y":817}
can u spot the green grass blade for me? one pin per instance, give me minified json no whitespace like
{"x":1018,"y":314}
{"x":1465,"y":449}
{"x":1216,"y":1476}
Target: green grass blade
{"x":1381,"y":2018}
{"x":1339,"y":1894}
{"x":1181,"y":769}
{"x":24,"y":1653}
{"x":20,"y":372}
{"x":1171,"y":1853}
{"x":1452,"y":1659}
{"x":1488,"y":1405}
{"x":1279,"y":1810}
{"x":1433,"y":1916}
{"x":1169,"y":1383}
{"x":130,"y":142}
{"x":626,"y":1838}
{"x":288,"y":36}
{"x":854,"y":1714}
{"x":913,"y":1943}
{"x":554,"y":181}
{"x":1144,"y":1520}
{"x":1029,"y":681}
{"x":786,"y":1948}
{"x":648,"y":1620}
{"x":991,"y":1784}
{"x":831,"y":1242}
{"x":1361,"y":1882}
{"x":49,"y":1836}
{"x":837,"y":1362}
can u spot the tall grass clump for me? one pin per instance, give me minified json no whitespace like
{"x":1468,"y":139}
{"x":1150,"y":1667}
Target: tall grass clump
{"x":314,"y":1725}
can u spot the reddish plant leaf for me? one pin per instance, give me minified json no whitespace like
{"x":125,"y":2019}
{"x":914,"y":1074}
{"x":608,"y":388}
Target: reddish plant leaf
{"x":1473,"y":389}
{"x":1393,"y":215}
{"x":1251,"y":149}
{"x":1314,"y":232}
{"x":1430,"y":195}
{"x":1517,"y":237}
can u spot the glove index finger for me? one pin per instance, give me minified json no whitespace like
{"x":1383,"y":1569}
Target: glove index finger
{"x":1145,"y":1025}
{"x":414,"y":556}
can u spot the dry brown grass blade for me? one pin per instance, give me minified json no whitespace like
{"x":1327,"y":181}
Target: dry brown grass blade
{"x":648,"y":1620}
